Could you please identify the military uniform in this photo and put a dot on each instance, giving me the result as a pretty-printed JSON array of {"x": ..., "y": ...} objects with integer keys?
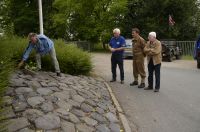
[
  {"x": 138, "y": 59},
  {"x": 154, "y": 58}
]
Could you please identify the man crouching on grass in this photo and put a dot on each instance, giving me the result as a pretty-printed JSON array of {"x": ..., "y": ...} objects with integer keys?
[{"x": 43, "y": 45}]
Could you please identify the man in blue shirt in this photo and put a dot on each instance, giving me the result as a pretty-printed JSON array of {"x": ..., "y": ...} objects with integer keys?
[
  {"x": 116, "y": 46},
  {"x": 43, "y": 45}
]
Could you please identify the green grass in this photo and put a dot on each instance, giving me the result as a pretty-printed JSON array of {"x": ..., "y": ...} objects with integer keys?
[
  {"x": 187, "y": 57},
  {"x": 6, "y": 67}
]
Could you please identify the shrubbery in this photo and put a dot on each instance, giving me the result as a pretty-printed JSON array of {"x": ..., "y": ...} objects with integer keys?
[{"x": 71, "y": 59}]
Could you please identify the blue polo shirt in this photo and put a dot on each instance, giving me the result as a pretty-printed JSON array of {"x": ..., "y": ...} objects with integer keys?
[
  {"x": 43, "y": 46},
  {"x": 117, "y": 43}
]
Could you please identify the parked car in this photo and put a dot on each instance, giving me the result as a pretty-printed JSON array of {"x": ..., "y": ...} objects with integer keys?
[
  {"x": 170, "y": 51},
  {"x": 128, "y": 49},
  {"x": 197, "y": 52}
]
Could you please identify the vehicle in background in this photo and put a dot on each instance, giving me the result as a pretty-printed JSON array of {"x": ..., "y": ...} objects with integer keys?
[
  {"x": 197, "y": 52},
  {"x": 170, "y": 51},
  {"x": 128, "y": 49}
]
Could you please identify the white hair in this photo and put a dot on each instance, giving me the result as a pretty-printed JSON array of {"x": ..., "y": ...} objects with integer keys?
[
  {"x": 116, "y": 30},
  {"x": 153, "y": 34}
]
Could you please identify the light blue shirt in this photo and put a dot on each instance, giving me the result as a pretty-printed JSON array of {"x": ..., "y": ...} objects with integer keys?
[{"x": 43, "y": 46}]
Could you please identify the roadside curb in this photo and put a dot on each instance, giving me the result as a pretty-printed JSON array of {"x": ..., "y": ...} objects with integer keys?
[{"x": 122, "y": 116}]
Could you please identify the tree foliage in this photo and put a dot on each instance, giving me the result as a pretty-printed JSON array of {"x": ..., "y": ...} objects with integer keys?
[
  {"x": 93, "y": 20},
  {"x": 87, "y": 19},
  {"x": 153, "y": 16}
]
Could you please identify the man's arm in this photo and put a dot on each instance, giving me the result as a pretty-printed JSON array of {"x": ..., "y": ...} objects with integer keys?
[
  {"x": 27, "y": 52},
  {"x": 123, "y": 44},
  {"x": 156, "y": 50},
  {"x": 147, "y": 49},
  {"x": 25, "y": 55},
  {"x": 119, "y": 49},
  {"x": 110, "y": 46},
  {"x": 143, "y": 43}
]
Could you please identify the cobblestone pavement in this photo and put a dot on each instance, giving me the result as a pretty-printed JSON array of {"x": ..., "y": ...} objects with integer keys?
[{"x": 45, "y": 102}]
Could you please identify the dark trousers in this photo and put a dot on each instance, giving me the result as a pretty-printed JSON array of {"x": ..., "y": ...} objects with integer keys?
[
  {"x": 117, "y": 59},
  {"x": 151, "y": 69}
]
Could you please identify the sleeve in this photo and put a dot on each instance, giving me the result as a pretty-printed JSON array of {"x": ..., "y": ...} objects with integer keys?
[
  {"x": 123, "y": 43},
  {"x": 110, "y": 43},
  {"x": 157, "y": 49},
  {"x": 27, "y": 52},
  {"x": 143, "y": 43},
  {"x": 146, "y": 49}
]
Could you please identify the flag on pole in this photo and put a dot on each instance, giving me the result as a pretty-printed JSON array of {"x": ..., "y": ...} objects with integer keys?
[{"x": 171, "y": 21}]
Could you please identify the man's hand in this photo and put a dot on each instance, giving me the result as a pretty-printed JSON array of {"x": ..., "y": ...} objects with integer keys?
[
  {"x": 21, "y": 64},
  {"x": 112, "y": 50}
]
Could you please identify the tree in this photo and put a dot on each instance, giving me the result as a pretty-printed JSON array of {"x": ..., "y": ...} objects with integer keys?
[
  {"x": 87, "y": 19},
  {"x": 153, "y": 16},
  {"x": 22, "y": 16}
]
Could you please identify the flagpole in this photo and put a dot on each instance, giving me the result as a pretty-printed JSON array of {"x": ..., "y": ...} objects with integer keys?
[
  {"x": 40, "y": 17},
  {"x": 168, "y": 26}
]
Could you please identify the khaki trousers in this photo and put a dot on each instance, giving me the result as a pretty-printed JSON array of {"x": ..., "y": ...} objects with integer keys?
[
  {"x": 139, "y": 69},
  {"x": 53, "y": 58}
]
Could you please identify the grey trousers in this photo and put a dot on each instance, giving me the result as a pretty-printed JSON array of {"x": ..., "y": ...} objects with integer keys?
[{"x": 52, "y": 53}]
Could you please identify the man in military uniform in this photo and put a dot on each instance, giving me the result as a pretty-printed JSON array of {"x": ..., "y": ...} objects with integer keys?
[
  {"x": 153, "y": 50},
  {"x": 138, "y": 58},
  {"x": 116, "y": 46}
]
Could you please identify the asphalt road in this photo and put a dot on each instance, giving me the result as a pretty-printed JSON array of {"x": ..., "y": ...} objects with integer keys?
[{"x": 176, "y": 108}]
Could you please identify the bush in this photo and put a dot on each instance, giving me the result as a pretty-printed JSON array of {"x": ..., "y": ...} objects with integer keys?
[{"x": 72, "y": 60}]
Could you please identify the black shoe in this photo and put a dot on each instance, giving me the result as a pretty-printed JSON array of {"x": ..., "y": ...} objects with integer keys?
[
  {"x": 142, "y": 85},
  {"x": 134, "y": 83},
  {"x": 156, "y": 90},
  {"x": 122, "y": 82},
  {"x": 58, "y": 74},
  {"x": 148, "y": 88},
  {"x": 113, "y": 80}
]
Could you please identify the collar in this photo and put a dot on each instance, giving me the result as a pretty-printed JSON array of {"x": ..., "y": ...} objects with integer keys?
[
  {"x": 153, "y": 42},
  {"x": 117, "y": 37},
  {"x": 38, "y": 42},
  {"x": 136, "y": 39}
]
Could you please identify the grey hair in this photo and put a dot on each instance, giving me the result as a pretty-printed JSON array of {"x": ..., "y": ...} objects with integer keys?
[
  {"x": 116, "y": 30},
  {"x": 30, "y": 35}
]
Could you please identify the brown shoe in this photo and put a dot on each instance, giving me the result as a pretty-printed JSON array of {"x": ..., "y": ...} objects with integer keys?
[
  {"x": 134, "y": 83},
  {"x": 142, "y": 85}
]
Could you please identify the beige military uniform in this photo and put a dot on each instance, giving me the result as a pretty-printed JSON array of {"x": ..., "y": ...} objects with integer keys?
[{"x": 138, "y": 59}]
